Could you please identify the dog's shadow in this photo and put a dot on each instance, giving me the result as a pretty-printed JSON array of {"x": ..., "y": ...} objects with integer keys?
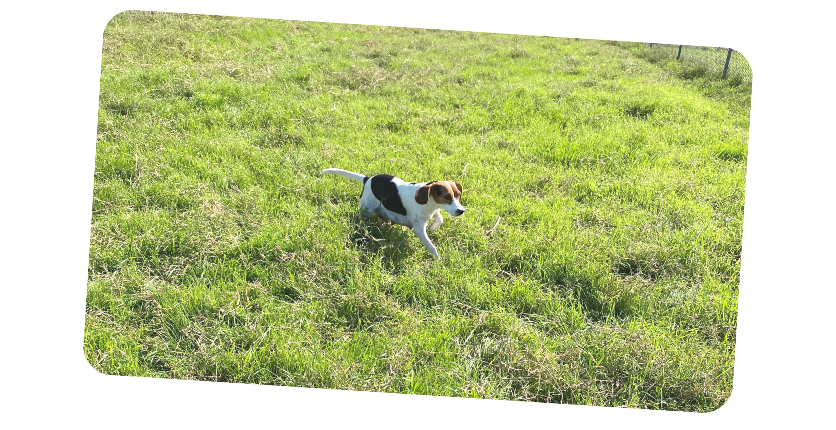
[{"x": 377, "y": 239}]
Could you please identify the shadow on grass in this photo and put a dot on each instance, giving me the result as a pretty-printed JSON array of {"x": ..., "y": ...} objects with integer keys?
[{"x": 376, "y": 239}]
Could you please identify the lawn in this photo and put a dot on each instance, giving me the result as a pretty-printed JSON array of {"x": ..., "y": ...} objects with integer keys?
[{"x": 598, "y": 262}]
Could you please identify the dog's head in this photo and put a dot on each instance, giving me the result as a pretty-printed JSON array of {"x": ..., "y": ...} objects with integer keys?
[{"x": 446, "y": 195}]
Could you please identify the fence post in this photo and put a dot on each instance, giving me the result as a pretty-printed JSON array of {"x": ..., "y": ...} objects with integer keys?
[
  {"x": 679, "y": 53},
  {"x": 726, "y": 69}
]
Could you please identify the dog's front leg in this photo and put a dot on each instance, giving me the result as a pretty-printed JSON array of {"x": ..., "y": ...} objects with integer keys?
[
  {"x": 420, "y": 229},
  {"x": 436, "y": 221}
]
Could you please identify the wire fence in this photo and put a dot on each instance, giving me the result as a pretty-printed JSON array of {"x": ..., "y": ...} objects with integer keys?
[
  {"x": 723, "y": 63},
  {"x": 696, "y": 61}
]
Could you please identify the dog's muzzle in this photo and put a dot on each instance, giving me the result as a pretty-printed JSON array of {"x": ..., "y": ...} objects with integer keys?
[{"x": 459, "y": 212}]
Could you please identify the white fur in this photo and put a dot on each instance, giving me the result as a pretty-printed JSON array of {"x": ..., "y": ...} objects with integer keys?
[{"x": 417, "y": 215}]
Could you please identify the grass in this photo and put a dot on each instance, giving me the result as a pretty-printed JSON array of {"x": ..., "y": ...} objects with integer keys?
[{"x": 219, "y": 253}]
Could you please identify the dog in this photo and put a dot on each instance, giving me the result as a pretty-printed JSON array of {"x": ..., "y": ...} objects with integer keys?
[{"x": 411, "y": 204}]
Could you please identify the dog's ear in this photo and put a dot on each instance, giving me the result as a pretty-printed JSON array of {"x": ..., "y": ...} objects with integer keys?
[
  {"x": 422, "y": 196},
  {"x": 459, "y": 186}
]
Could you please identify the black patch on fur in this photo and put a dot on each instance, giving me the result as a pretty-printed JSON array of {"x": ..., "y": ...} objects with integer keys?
[
  {"x": 365, "y": 178},
  {"x": 387, "y": 192}
]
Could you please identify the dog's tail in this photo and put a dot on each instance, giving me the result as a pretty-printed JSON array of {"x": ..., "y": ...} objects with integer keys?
[{"x": 346, "y": 174}]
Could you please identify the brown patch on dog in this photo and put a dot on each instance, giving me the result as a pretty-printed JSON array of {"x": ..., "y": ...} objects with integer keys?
[
  {"x": 422, "y": 196},
  {"x": 443, "y": 192},
  {"x": 457, "y": 187}
]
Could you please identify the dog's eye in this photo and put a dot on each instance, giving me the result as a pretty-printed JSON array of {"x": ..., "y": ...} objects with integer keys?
[{"x": 448, "y": 197}]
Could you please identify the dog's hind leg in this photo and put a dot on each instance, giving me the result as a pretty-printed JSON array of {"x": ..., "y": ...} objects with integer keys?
[
  {"x": 367, "y": 212},
  {"x": 420, "y": 230},
  {"x": 368, "y": 205}
]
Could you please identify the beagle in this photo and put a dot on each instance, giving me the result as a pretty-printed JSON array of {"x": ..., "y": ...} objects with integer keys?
[{"x": 409, "y": 204}]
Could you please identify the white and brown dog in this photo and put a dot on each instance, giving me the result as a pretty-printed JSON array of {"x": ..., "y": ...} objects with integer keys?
[{"x": 411, "y": 204}]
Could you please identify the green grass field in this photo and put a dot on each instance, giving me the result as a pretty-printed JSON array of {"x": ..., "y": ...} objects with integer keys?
[{"x": 218, "y": 252}]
